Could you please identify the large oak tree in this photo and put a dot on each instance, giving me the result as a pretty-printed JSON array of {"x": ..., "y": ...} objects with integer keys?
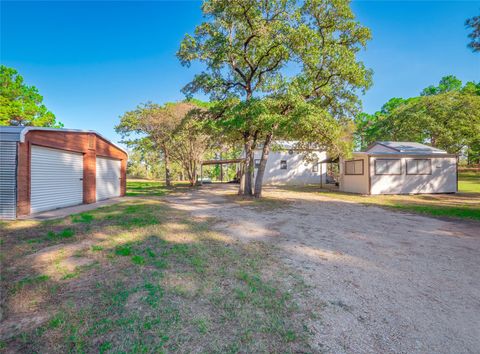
[{"x": 272, "y": 58}]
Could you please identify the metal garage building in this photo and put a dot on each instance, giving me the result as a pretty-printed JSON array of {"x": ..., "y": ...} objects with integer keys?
[{"x": 43, "y": 169}]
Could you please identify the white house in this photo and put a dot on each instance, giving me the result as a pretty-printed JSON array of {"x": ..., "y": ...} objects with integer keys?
[
  {"x": 287, "y": 165},
  {"x": 389, "y": 167}
]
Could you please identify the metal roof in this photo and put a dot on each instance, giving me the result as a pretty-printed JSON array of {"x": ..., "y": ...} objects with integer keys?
[
  {"x": 406, "y": 147},
  {"x": 18, "y": 133}
]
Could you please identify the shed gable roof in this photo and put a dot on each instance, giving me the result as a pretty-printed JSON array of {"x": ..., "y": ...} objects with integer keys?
[
  {"x": 407, "y": 147},
  {"x": 8, "y": 133}
]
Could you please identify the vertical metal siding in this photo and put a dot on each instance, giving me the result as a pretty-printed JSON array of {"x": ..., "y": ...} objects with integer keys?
[
  {"x": 56, "y": 179},
  {"x": 107, "y": 178},
  {"x": 8, "y": 179}
]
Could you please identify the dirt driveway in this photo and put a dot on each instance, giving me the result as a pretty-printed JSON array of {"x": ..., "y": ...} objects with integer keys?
[{"x": 388, "y": 282}]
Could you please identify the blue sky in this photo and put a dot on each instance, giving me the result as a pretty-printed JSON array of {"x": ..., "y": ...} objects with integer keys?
[{"x": 92, "y": 61}]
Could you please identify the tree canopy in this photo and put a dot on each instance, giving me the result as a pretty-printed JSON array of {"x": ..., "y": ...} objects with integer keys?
[
  {"x": 265, "y": 61},
  {"x": 474, "y": 25},
  {"x": 446, "y": 116},
  {"x": 21, "y": 104},
  {"x": 173, "y": 130}
]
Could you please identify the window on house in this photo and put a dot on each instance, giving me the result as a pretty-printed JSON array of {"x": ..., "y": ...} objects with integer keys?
[
  {"x": 315, "y": 167},
  {"x": 283, "y": 164},
  {"x": 354, "y": 167},
  {"x": 257, "y": 163},
  {"x": 388, "y": 167},
  {"x": 419, "y": 167}
]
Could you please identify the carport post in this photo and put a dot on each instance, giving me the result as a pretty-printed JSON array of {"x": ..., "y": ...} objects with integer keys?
[{"x": 201, "y": 174}]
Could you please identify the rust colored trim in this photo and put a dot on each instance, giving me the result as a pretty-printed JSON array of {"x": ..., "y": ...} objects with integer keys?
[{"x": 369, "y": 176}]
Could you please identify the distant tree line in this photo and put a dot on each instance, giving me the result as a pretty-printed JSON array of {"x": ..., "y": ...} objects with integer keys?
[{"x": 446, "y": 116}]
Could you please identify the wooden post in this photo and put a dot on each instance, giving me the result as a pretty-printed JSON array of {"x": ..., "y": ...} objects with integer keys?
[
  {"x": 201, "y": 174},
  {"x": 321, "y": 176}
]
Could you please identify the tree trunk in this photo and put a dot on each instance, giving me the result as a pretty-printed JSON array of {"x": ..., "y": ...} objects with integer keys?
[
  {"x": 262, "y": 166},
  {"x": 168, "y": 177},
  {"x": 249, "y": 156}
]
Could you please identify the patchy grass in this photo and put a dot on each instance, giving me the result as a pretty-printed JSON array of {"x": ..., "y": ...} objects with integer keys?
[
  {"x": 82, "y": 217},
  {"x": 142, "y": 277},
  {"x": 65, "y": 233},
  {"x": 463, "y": 206}
]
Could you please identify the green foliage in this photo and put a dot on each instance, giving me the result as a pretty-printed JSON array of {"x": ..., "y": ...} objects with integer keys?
[
  {"x": 474, "y": 25},
  {"x": 446, "y": 116},
  {"x": 173, "y": 132},
  {"x": 21, "y": 104}
]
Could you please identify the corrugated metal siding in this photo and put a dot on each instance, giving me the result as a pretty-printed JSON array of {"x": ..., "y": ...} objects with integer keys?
[
  {"x": 10, "y": 133},
  {"x": 56, "y": 179},
  {"x": 8, "y": 179},
  {"x": 108, "y": 178}
]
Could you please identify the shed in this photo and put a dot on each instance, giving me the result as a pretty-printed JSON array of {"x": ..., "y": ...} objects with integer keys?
[
  {"x": 44, "y": 168},
  {"x": 286, "y": 165},
  {"x": 390, "y": 167}
]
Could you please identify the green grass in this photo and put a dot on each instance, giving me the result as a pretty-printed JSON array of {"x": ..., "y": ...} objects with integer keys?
[
  {"x": 82, "y": 218},
  {"x": 161, "y": 283},
  {"x": 469, "y": 182},
  {"x": 152, "y": 188},
  {"x": 65, "y": 233}
]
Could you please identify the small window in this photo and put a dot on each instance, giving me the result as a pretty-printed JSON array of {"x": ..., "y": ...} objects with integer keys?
[
  {"x": 283, "y": 164},
  {"x": 419, "y": 167},
  {"x": 257, "y": 163},
  {"x": 354, "y": 167},
  {"x": 388, "y": 167},
  {"x": 315, "y": 167}
]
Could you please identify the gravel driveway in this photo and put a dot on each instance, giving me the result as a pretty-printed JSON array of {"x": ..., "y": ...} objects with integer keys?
[{"x": 387, "y": 281}]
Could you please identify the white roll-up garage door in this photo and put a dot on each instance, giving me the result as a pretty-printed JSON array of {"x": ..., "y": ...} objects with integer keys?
[
  {"x": 108, "y": 178},
  {"x": 56, "y": 179}
]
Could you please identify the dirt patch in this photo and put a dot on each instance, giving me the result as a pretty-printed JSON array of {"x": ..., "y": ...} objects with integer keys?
[{"x": 389, "y": 282}]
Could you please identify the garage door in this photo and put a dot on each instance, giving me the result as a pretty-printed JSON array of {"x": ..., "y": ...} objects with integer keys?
[
  {"x": 56, "y": 179},
  {"x": 108, "y": 178}
]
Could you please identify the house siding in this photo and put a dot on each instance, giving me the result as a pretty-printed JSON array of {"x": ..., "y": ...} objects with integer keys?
[{"x": 298, "y": 172}]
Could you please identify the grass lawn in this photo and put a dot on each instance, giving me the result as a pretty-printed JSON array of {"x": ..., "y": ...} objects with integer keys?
[
  {"x": 142, "y": 277},
  {"x": 151, "y": 188},
  {"x": 465, "y": 204},
  {"x": 469, "y": 182}
]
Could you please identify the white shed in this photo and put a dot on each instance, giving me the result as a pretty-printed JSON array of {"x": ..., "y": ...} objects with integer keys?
[
  {"x": 389, "y": 167},
  {"x": 287, "y": 165}
]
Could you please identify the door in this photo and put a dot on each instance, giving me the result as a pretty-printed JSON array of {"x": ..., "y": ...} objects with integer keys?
[
  {"x": 108, "y": 178},
  {"x": 56, "y": 178}
]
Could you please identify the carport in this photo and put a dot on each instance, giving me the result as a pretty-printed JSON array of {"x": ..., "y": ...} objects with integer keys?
[{"x": 221, "y": 163}]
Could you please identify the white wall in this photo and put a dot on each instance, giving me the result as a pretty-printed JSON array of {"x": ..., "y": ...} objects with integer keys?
[
  {"x": 442, "y": 180},
  {"x": 354, "y": 183},
  {"x": 298, "y": 172}
]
